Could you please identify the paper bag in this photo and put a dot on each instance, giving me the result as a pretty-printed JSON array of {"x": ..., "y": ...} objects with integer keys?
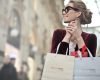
[
  {"x": 58, "y": 67},
  {"x": 87, "y": 68}
]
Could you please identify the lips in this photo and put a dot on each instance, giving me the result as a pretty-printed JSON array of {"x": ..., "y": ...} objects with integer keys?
[{"x": 65, "y": 16}]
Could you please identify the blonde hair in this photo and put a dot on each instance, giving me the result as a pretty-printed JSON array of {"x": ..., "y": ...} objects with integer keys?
[{"x": 86, "y": 15}]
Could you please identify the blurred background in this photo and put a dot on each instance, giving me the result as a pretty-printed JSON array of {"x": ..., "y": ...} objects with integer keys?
[{"x": 26, "y": 28}]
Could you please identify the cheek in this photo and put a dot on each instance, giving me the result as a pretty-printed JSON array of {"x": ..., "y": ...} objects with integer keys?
[
  {"x": 69, "y": 16},
  {"x": 72, "y": 15}
]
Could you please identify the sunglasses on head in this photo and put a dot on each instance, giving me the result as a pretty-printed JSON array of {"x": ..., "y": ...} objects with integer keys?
[{"x": 66, "y": 10}]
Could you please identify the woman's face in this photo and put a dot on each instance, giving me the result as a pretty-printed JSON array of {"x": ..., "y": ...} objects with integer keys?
[{"x": 70, "y": 13}]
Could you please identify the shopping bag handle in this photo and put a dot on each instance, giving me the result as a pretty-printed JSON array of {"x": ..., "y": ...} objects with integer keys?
[
  {"x": 58, "y": 48},
  {"x": 80, "y": 54},
  {"x": 90, "y": 54}
]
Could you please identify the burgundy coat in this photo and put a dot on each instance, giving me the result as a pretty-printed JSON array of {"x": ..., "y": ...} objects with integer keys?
[{"x": 89, "y": 39}]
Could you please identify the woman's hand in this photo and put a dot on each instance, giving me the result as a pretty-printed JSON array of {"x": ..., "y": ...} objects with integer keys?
[
  {"x": 74, "y": 29},
  {"x": 67, "y": 37},
  {"x": 69, "y": 32}
]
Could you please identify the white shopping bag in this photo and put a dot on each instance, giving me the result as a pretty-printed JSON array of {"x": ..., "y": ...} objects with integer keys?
[
  {"x": 58, "y": 67},
  {"x": 87, "y": 68}
]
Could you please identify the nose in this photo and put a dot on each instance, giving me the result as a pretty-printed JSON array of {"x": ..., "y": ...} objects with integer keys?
[{"x": 63, "y": 12}]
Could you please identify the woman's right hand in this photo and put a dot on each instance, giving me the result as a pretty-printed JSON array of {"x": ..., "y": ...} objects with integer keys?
[{"x": 67, "y": 36}]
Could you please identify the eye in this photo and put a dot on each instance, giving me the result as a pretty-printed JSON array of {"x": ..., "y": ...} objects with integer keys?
[{"x": 67, "y": 9}]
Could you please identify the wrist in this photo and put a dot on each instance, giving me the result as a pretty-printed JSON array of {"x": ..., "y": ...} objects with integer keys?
[
  {"x": 80, "y": 42},
  {"x": 66, "y": 38},
  {"x": 79, "y": 38}
]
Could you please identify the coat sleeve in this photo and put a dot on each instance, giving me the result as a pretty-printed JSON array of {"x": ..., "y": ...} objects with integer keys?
[
  {"x": 92, "y": 44},
  {"x": 56, "y": 39}
]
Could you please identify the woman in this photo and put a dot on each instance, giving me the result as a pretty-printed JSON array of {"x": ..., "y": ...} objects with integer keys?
[{"x": 72, "y": 38}]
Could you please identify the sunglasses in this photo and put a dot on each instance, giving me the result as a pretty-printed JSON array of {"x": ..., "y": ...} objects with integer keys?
[{"x": 68, "y": 8}]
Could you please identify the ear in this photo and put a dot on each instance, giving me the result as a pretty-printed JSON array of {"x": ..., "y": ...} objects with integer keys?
[{"x": 78, "y": 14}]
